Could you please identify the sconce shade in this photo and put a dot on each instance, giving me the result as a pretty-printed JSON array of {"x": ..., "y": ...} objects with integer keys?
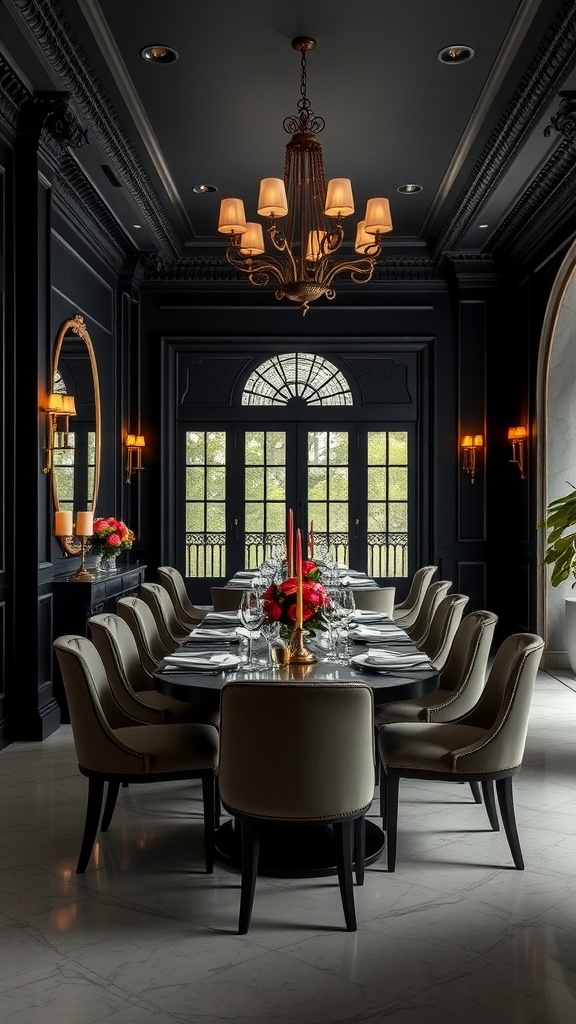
[
  {"x": 517, "y": 433},
  {"x": 134, "y": 445},
  {"x": 139, "y": 442},
  {"x": 339, "y": 199},
  {"x": 469, "y": 443},
  {"x": 63, "y": 524},
  {"x": 68, "y": 405}
]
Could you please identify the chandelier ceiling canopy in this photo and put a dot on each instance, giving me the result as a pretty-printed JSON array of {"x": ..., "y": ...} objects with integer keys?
[{"x": 304, "y": 260}]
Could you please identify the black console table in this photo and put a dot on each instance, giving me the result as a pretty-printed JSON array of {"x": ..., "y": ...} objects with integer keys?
[{"x": 75, "y": 601}]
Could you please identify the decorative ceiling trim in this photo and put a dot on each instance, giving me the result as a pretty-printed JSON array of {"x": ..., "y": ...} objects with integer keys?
[
  {"x": 67, "y": 60},
  {"x": 542, "y": 79}
]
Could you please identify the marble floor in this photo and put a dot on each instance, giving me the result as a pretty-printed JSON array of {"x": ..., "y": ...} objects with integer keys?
[{"x": 455, "y": 935}]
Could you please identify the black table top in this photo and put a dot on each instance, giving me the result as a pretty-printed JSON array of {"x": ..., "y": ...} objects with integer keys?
[{"x": 389, "y": 687}]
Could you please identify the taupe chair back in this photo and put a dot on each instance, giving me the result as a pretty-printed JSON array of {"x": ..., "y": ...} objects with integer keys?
[
  {"x": 188, "y": 614},
  {"x": 461, "y": 680},
  {"x": 486, "y": 745},
  {"x": 226, "y": 599},
  {"x": 132, "y": 687},
  {"x": 434, "y": 594},
  {"x": 114, "y": 748},
  {"x": 381, "y": 600},
  {"x": 138, "y": 615},
  {"x": 447, "y": 617},
  {"x": 158, "y": 600},
  {"x": 406, "y": 611},
  {"x": 301, "y": 754}
]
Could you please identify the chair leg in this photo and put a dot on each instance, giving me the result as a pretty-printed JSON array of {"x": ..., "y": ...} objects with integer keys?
[
  {"x": 382, "y": 785},
  {"x": 506, "y": 804},
  {"x": 218, "y": 804},
  {"x": 344, "y": 841},
  {"x": 489, "y": 801},
  {"x": 111, "y": 797},
  {"x": 209, "y": 804},
  {"x": 250, "y": 830},
  {"x": 476, "y": 792},
  {"x": 391, "y": 784},
  {"x": 359, "y": 848},
  {"x": 93, "y": 808}
]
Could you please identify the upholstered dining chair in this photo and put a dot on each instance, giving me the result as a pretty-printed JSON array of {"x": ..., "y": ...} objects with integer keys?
[
  {"x": 380, "y": 600},
  {"x": 461, "y": 680},
  {"x": 138, "y": 615},
  {"x": 486, "y": 745},
  {"x": 226, "y": 599},
  {"x": 114, "y": 748},
  {"x": 405, "y": 611},
  {"x": 421, "y": 625},
  {"x": 160, "y": 604},
  {"x": 188, "y": 614},
  {"x": 299, "y": 754},
  {"x": 437, "y": 643},
  {"x": 132, "y": 687}
]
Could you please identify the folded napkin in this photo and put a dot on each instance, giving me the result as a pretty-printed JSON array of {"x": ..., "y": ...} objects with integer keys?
[
  {"x": 203, "y": 659},
  {"x": 222, "y": 617},
  {"x": 221, "y": 635},
  {"x": 364, "y": 614},
  {"x": 391, "y": 659},
  {"x": 376, "y": 632}
]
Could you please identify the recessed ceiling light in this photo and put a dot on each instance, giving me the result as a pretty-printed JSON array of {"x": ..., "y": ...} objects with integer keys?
[
  {"x": 204, "y": 189},
  {"x": 483, "y": 225},
  {"x": 159, "y": 54},
  {"x": 455, "y": 54},
  {"x": 137, "y": 226},
  {"x": 409, "y": 190}
]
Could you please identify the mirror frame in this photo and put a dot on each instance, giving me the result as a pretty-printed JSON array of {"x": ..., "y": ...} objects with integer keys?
[{"x": 73, "y": 545}]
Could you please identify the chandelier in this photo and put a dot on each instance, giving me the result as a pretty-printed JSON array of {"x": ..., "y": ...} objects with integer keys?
[{"x": 305, "y": 261}]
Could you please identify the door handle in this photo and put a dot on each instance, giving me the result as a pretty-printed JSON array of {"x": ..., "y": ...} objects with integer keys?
[
  {"x": 234, "y": 528},
  {"x": 356, "y": 524}
]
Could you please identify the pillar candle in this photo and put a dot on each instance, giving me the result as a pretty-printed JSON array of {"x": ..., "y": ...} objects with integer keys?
[
  {"x": 311, "y": 538},
  {"x": 63, "y": 524},
  {"x": 84, "y": 524},
  {"x": 299, "y": 600},
  {"x": 290, "y": 543}
]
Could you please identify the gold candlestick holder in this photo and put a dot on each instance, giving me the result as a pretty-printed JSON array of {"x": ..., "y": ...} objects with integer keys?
[
  {"x": 299, "y": 653},
  {"x": 82, "y": 575}
]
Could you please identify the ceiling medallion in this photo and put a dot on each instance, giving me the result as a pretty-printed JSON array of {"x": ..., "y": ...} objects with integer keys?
[{"x": 304, "y": 263}]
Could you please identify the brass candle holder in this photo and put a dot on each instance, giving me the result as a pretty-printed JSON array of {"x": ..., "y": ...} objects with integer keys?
[
  {"x": 299, "y": 653},
  {"x": 82, "y": 575}
]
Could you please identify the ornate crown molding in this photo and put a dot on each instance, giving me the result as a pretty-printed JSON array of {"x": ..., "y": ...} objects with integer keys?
[
  {"x": 549, "y": 68},
  {"x": 68, "y": 61}
]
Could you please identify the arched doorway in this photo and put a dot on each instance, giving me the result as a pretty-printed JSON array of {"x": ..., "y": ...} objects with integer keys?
[{"x": 556, "y": 419}]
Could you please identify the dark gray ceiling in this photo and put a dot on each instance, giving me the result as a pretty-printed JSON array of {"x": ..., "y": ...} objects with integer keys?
[{"x": 473, "y": 135}]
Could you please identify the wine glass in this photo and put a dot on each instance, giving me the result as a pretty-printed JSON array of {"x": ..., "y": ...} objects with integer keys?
[
  {"x": 331, "y": 614},
  {"x": 345, "y": 613},
  {"x": 251, "y": 616},
  {"x": 271, "y": 630}
]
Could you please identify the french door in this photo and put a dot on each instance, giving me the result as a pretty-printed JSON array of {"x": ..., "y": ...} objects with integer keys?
[{"x": 351, "y": 480}]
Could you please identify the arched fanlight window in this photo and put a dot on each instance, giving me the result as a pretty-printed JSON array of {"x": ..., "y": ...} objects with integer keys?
[{"x": 297, "y": 377}]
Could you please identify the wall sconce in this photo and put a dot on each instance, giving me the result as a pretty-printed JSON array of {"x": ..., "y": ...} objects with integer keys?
[
  {"x": 57, "y": 407},
  {"x": 134, "y": 445},
  {"x": 64, "y": 527},
  {"x": 518, "y": 437},
  {"x": 469, "y": 444}
]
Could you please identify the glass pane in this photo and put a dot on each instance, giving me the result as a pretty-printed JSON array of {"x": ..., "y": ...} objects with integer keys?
[
  {"x": 254, "y": 445},
  {"x": 376, "y": 484},
  {"x": 195, "y": 482}
]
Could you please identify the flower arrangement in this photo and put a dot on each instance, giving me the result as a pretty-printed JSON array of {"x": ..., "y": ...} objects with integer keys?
[
  {"x": 110, "y": 537},
  {"x": 279, "y": 600}
]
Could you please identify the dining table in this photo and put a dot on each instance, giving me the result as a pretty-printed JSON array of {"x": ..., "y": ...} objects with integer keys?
[{"x": 381, "y": 655}]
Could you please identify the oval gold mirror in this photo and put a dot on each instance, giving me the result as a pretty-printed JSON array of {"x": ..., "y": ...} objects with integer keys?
[{"x": 76, "y": 453}]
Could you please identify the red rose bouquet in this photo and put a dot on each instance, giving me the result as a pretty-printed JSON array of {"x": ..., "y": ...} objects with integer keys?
[
  {"x": 110, "y": 537},
  {"x": 279, "y": 600}
]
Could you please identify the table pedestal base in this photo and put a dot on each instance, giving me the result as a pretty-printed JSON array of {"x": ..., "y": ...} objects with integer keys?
[{"x": 293, "y": 851}]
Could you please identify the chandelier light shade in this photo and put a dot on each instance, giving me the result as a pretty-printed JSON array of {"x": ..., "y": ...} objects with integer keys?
[{"x": 304, "y": 257}]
